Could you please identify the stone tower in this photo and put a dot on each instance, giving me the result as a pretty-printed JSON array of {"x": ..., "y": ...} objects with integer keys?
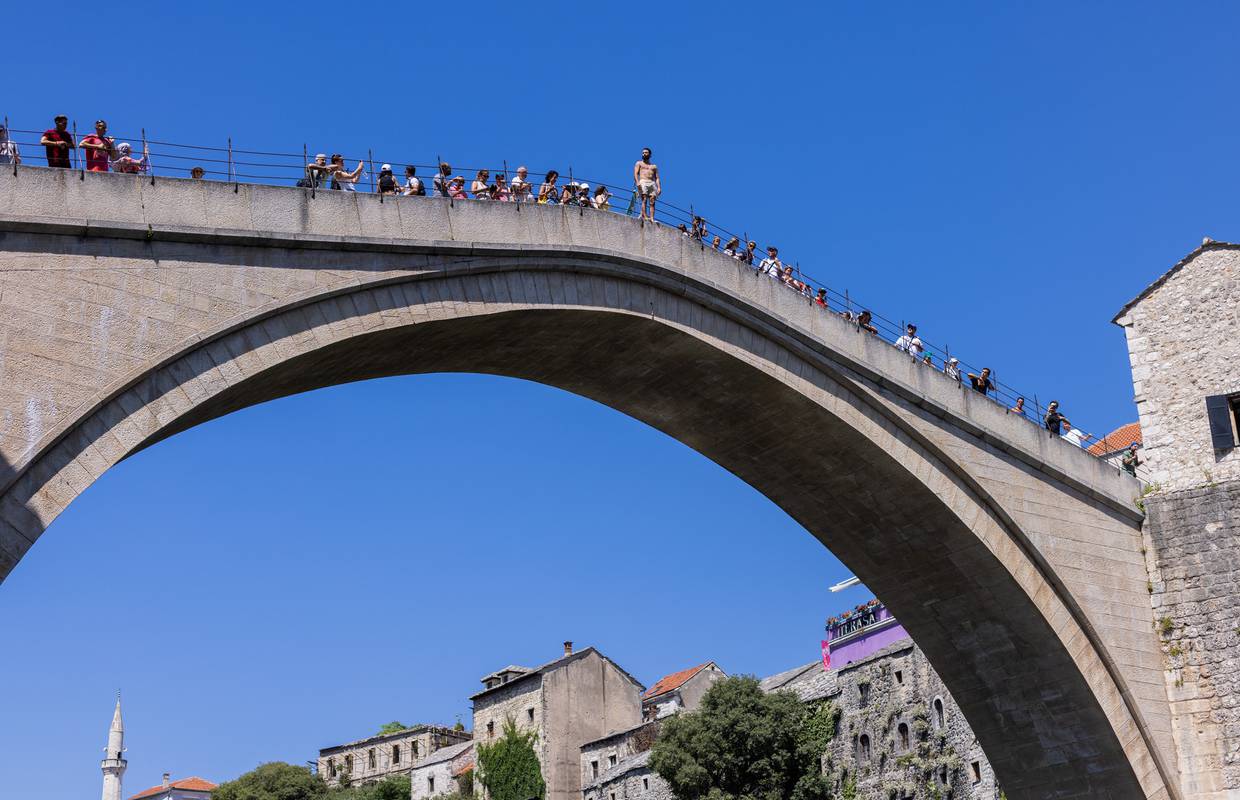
[{"x": 113, "y": 762}]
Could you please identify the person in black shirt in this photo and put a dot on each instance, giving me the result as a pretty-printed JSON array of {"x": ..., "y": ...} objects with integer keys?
[
  {"x": 1130, "y": 460},
  {"x": 982, "y": 383},
  {"x": 1054, "y": 420}
]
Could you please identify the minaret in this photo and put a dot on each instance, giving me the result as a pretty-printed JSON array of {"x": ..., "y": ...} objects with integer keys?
[{"x": 113, "y": 762}]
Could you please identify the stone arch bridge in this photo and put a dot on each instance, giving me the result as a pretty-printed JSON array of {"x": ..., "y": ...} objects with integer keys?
[{"x": 132, "y": 308}]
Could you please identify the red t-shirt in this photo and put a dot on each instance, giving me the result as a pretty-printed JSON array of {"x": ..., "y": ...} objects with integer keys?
[
  {"x": 58, "y": 156},
  {"x": 97, "y": 160}
]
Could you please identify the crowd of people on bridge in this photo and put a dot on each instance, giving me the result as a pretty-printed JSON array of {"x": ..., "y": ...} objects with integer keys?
[{"x": 101, "y": 153}]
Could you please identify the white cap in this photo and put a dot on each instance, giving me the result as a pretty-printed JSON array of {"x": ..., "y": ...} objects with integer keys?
[
  {"x": 386, "y": 168},
  {"x": 955, "y": 360},
  {"x": 584, "y": 185}
]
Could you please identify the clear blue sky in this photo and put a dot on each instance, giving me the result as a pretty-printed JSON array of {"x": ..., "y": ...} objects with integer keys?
[{"x": 291, "y": 576}]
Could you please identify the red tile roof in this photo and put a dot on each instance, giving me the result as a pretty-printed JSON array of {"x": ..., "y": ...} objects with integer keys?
[
  {"x": 1117, "y": 439},
  {"x": 675, "y": 680},
  {"x": 185, "y": 784}
]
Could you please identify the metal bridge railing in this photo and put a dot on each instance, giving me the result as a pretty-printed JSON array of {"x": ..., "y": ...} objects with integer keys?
[{"x": 233, "y": 164}]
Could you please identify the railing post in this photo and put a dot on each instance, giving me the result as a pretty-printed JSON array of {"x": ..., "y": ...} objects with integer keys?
[
  {"x": 150, "y": 165},
  {"x": 75, "y": 151},
  {"x": 231, "y": 172},
  {"x": 9, "y": 133},
  {"x": 312, "y": 179},
  {"x": 370, "y": 156}
]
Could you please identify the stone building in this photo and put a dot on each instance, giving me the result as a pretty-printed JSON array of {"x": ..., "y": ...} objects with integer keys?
[
  {"x": 378, "y": 757},
  {"x": 1185, "y": 356},
  {"x": 193, "y": 788},
  {"x": 680, "y": 691},
  {"x": 1181, "y": 334},
  {"x": 899, "y": 733},
  {"x": 446, "y": 770},
  {"x": 616, "y": 767},
  {"x": 567, "y": 702}
]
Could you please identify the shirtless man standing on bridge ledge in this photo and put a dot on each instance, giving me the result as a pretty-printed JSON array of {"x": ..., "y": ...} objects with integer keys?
[{"x": 646, "y": 178}]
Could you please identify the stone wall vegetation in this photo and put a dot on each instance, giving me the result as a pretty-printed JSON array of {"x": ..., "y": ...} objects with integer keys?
[{"x": 914, "y": 752}]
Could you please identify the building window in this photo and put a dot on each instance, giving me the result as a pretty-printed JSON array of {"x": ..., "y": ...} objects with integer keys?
[
  {"x": 612, "y": 795},
  {"x": 348, "y": 764},
  {"x": 863, "y": 749},
  {"x": 939, "y": 718},
  {"x": 645, "y": 784},
  {"x": 395, "y": 754},
  {"x": 430, "y": 783},
  {"x": 490, "y": 729},
  {"x": 414, "y": 745},
  {"x": 863, "y": 694},
  {"x": 370, "y": 758},
  {"x": 943, "y": 775},
  {"x": 903, "y": 733},
  {"x": 529, "y": 714},
  {"x": 611, "y": 760},
  {"x": 331, "y": 767},
  {"x": 977, "y": 771},
  {"x": 1223, "y": 412},
  {"x": 593, "y": 769},
  {"x": 899, "y": 676}
]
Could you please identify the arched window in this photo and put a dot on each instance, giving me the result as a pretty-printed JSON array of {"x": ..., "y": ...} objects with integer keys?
[
  {"x": 415, "y": 748},
  {"x": 331, "y": 767},
  {"x": 395, "y": 754},
  {"x": 939, "y": 718},
  {"x": 863, "y": 748},
  {"x": 348, "y": 764},
  {"x": 903, "y": 733},
  {"x": 370, "y": 758}
]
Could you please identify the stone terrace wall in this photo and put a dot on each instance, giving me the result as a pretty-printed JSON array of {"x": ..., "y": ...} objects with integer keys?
[{"x": 1196, "y": 594}]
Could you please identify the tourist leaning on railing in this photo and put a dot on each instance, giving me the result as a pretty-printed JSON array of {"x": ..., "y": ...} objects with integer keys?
[
  {"x": 413, "y": 184},
  {"x": 520, "y": 186},
  {"x": 100, "y": 148},
  {"x": 982, "y": 382},
  {"x": 126, "y": 163},
  {"x": 58, "y": 143},
  {"x": 101, "y": 154},
  {"x": 9, "y": 154}
]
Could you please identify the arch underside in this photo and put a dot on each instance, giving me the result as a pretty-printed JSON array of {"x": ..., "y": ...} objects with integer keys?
[{"x": 908, "y": 522}]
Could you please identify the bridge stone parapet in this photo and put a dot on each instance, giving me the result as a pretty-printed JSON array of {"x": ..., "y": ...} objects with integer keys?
[{"x": 133, "y": 308}]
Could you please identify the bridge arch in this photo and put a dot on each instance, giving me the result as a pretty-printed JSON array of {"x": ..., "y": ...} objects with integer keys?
[{"x": 941, "y": 517}]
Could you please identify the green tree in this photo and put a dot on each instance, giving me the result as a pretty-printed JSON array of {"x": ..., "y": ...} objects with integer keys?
[
  {"x": 395, "y": 787},
  {"x": 274, "y": 781},
  {"x": 391, "y": 727},
  {"x": 744, "y": 744},
  {"x": 509, "y": 768}
]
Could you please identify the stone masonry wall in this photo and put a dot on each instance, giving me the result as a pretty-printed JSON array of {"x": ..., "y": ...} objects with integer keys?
[
  {"x": 1195, "y": 588},
  {"x": 896, "y": 686},
  {"x": 421, "y": 741},
  {"x": 1183, "y": 348},
  {"x": 516, "y": 701},
  {"x": 640, "y": 783}
]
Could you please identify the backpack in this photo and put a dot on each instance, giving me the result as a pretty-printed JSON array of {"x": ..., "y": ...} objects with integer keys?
[{"x": 387, "y": 182}]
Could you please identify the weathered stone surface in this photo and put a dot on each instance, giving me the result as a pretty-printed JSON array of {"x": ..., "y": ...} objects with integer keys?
[
  {"x": 1196, "y": 593},
  {"x": 1181, "y": 337},
  {"x": 919, "y": 744},
  {"x": 1006, "y": 552}
]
